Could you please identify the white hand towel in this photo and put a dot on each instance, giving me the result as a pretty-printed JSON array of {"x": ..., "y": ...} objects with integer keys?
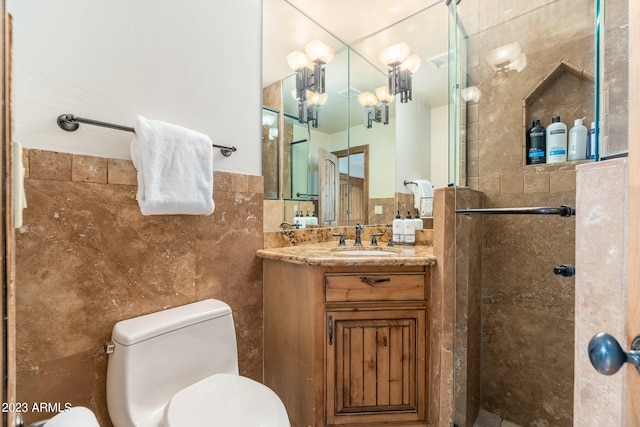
[
  {"x": 19, "y": 195},
  {"x": 175, "y": 169},
  {"x": 423, "y": 197}
]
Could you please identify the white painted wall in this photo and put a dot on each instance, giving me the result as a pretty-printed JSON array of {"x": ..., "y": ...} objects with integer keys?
[
  {"x": 195, "y": 63},
  {"x": 440, "y": 146},
  {"x": 413, "y": 142}
]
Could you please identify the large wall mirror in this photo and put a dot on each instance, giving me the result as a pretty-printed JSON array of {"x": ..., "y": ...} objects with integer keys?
[{"x": 373, "y": 158}]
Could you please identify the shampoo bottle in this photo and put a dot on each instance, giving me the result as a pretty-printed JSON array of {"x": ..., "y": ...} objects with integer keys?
[
  {"x": 398, "y": 230},
  {"x": 536, "y": 144},
  {"x": 577, "y": 141},
  {"x": 409, "y": 230},
  {"x": 557, "y": 141}
]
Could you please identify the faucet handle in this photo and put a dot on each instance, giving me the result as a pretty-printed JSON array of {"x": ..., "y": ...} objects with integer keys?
[
  {"x": 374, "y": 241},
  {"x": 341, "y": 235}
]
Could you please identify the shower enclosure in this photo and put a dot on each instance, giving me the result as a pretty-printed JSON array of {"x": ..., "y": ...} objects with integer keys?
[{"x": 511, "y": 63}]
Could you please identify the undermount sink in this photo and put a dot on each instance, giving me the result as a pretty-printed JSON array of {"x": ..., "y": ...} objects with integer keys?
[{"x": 365, "y": 252}]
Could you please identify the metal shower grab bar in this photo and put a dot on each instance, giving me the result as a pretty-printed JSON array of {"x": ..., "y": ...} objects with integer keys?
[
  {"x": 70, "y": 123},
  {"x": 562, "y": 211}
]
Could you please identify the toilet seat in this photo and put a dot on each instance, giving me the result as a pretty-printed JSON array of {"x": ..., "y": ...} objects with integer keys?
[{"x": 226, "y": 400}]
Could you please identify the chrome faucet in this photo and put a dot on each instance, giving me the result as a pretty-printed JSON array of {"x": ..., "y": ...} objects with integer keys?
[
  {"x": 359, "y": 230},
  {"x": 288, "y": 225}
]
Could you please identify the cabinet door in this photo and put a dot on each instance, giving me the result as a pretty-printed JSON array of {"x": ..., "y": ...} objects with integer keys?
[{"x": 376, "y": 366}]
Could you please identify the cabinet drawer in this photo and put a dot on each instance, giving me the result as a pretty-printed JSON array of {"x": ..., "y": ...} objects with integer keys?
[{"x": 374, "y": 287}]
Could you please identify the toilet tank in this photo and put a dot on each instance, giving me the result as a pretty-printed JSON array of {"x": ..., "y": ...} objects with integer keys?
[{"x": 159, "y": 354}]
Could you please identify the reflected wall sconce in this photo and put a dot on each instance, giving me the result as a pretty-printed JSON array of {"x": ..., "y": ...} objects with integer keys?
[
  {"x": 376, "y": 107},
  {"x": 471, "y": 94},
  {"x": 402, "y": 67},
  {"x": 509, "y": 57},
  {"x": 308, "y": 110},
  {"x": 268, "y": 120},
  {"x": 310, "y": 73}
]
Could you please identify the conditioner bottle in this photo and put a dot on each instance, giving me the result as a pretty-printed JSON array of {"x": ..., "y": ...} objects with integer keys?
[
  {"x": 556, "y": 141},
  {"x": 577, "y": 141}
]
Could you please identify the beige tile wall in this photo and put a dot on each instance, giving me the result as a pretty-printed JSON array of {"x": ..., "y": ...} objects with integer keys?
[
  {"x": 527, "y": 312},
  {"x": 601, "y": 240},
  {"x": 87, "y": 258}
]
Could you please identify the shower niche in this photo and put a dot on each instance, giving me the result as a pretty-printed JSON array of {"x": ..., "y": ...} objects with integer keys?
[{"x": 566, "y": 91}]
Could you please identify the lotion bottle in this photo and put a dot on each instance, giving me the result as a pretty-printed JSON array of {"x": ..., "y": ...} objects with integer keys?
[
  {"x": 556, "y": 141},
  {"x": 577, "y": 141},
  {"x": 398, "y": 230},
  {"x": 409, "y": 230}
]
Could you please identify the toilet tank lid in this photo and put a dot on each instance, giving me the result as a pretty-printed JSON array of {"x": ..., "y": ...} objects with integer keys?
[{"x": 132, "y": 331}]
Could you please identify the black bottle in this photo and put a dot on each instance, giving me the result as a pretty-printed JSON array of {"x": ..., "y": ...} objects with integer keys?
[{"x": 536, "y": 144}]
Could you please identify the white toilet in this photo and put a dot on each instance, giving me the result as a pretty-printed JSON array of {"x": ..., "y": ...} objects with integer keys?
[{"x": 179, "y": 368}]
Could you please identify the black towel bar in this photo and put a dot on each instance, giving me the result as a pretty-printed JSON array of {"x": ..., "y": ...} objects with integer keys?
[
  {"x": 70, "y": 123},
  {"x": 562, "y": 211}
]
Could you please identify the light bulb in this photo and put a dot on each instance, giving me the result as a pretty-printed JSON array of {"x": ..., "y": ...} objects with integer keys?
[
  {"x": 394, "y": 55},
  {"x": 412, "y": 63},
  {"x": 319, "y": 52},
  {"x": 297, "y": 60},
  {"x": 315, "y": 98},
  {"x": 367, "y": 99},
  {"x": 383, "y": 94}
]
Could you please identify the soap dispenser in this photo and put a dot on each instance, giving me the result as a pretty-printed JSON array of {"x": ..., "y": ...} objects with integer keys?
[
  {"x": 398, "y": 229},
  {"x": 418, "y": 220},
  {"x": 409, "y": 230}
]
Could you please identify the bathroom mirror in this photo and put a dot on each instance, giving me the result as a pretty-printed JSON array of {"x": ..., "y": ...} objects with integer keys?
[
  {"x": 413, "y": 142},
  {"x": 270, "y": 152}
]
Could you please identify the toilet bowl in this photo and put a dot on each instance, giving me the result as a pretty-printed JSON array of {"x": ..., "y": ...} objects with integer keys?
[
  {"x": 77, "y": 416},
  {"x": 229, "y": 400},
  {"x": 179, "y": 368}
]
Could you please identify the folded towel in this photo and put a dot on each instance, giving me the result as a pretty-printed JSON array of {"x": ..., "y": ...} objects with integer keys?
[
  {"x": 423, "y": 197},
  {"x": 175, "y": 169},
  {"x": 19, "y": 195}
]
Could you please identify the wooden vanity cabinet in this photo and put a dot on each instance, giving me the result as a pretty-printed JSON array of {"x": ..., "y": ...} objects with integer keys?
[{"x": 347, "y": 345}]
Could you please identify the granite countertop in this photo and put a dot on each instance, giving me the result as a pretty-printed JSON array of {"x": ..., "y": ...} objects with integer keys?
[{"x": 328, "y": 254}]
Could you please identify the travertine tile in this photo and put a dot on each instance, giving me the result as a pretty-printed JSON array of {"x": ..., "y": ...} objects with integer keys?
[
  {"x": 512, "y": 183},
  {"x": 239, "y": 183},
  {"x": 489, "y": 184},
  {"x": 473, "y": 167},
  {"x": 601, "y": 230},
  {"x": 89, "y": 169},
  {"x": 221, "y": 181},
  {"x": 255, "y": 184},
  {"x": 73, "y": 380},
  {"x": 86, "y": 258},
  {"x": 536, "y": 182},
  {"x": 561, "y": 181},
  {"x": 49, "y": 165},
  {"x": 121, "y": 172}
]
